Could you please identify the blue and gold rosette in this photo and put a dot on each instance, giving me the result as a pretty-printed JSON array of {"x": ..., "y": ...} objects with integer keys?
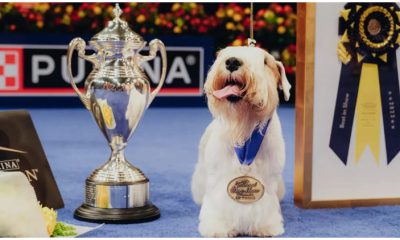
[{"x": 368, "y": 91}]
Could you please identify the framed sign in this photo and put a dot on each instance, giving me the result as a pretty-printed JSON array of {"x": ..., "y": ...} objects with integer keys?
[{"x": 347, "y": 105}]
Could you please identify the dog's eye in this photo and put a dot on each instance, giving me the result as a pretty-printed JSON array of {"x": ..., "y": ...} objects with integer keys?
[{"x": 265, "y": 61}]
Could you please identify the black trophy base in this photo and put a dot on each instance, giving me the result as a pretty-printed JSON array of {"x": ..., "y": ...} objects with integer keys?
[{"x": 117, "y": 215}]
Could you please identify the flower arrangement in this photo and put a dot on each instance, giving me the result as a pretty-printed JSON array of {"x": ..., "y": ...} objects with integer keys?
[
  {"x": 274, "y": 29},
  {"x": 229, "y": 23},
  {"x": 188, "y": 18},
  {"x": 143, "y": 17}
]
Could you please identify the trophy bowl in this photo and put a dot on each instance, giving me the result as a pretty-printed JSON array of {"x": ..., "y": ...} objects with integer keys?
[{"x": 117, "y": 93}]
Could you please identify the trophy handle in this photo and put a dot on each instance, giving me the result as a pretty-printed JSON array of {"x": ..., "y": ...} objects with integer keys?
[
  {"x": 155, "y": 45},
  {"x": 80, "y": 45}
]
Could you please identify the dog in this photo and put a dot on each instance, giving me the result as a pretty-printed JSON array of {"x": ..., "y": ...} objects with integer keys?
[{"x": 242, "y": 94}]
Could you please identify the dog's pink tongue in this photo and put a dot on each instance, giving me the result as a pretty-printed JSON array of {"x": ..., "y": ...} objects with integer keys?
[{"x": 227, "y": 91}]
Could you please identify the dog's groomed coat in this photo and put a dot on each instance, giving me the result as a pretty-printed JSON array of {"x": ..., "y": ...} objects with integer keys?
[{"x": 242, "y": 95}]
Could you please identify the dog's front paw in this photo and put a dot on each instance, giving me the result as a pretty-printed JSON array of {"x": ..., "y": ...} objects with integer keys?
[
  {"x": 269, "y": 231},
  {"x": 214, "y": 228}
]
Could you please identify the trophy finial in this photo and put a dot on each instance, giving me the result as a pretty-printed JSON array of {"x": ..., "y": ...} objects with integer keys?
[{"x": 117, "y": 11}]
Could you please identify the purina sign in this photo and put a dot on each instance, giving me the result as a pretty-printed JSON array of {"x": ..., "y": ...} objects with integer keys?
[{"x": 41, "y": 70}]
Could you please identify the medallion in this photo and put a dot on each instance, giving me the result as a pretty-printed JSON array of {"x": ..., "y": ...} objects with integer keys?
[{"x": 245, "y": 189}]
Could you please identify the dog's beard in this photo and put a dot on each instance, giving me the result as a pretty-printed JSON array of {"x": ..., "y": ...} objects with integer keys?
[
  {"x": 240, "y": 122},
  {"x": 249, "y": 107}
]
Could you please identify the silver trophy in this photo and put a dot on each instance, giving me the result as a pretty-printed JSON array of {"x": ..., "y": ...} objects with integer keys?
[{"x": 117, "y": 92}]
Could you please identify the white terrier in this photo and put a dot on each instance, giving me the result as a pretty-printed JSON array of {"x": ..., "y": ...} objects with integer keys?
[{"x": 241, "y": 88}]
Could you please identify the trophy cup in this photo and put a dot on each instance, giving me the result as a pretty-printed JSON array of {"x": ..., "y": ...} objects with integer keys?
[{"x": 117, "y": 92}]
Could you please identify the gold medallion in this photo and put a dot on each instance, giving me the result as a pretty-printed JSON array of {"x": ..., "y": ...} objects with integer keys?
[{"x": 245, "y": 189}]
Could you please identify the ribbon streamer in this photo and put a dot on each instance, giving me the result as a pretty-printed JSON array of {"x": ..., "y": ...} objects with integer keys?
[{"x": 368, "y": 112}]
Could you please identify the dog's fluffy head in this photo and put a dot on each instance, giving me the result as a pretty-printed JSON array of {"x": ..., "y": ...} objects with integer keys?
[{"x": 241, "y": 88}]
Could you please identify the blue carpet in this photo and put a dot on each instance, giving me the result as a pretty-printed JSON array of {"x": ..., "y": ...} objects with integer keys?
[{"x": 165, "y": 148}]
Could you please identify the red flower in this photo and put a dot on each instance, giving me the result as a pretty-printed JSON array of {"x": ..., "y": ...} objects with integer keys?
[
  {"x": 289, "y": 70},
  {"x": 260, "y": 24},
  {"x": 292, "y": 48},
  {"x": 287, "y": 9},
  {"x": 31, "y": 16},
  {"x": 278, "y": 9},
  {"x": 237, "y": 8},
  {"x": 75, "y": 17},
  {"x": 127, "y": 10},
  {"x": 180, "y": 12},
  {"x": 195, "y": 21},
  {"x": 260, "y": 13},
  {"x": 202, "y": 29},
  {"x": 246, "y": 22}
]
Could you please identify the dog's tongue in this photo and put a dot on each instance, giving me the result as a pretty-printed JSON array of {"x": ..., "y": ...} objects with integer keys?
[{"x": 227, "y": 91}]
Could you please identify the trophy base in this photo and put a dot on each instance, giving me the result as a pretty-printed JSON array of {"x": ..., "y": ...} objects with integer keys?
[{"x": 117, "y": 215}]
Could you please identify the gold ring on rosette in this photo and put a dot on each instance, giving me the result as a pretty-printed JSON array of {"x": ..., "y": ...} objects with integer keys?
[{"x": 374, "y": 27}]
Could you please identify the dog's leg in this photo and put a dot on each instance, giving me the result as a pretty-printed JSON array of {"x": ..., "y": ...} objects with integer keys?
[
  {"x": 199, "y": 175},
  {"x": 213, "y": 223},
  {"x": 270, "y": 222},
  {"x": 198, "y": 183},
  {"x": 281, "y": 189}
]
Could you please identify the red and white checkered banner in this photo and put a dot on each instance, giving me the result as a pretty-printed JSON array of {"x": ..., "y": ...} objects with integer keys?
[{"x": 11, "y": 65}]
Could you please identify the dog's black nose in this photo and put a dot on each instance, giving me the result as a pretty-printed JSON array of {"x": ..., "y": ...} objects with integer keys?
[{"x": 233, "y": 64}]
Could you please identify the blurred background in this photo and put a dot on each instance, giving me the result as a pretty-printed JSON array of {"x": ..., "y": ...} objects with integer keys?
[{"x": 34, "y": 38}]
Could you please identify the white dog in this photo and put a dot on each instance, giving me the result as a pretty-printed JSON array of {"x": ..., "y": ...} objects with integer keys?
[{"x": 242, "y": 94}]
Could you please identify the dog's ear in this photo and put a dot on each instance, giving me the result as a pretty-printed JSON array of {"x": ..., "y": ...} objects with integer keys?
[
  {"x": 278, "y": 70},
  {"x": 271, "y": 63},
  {"x": 284, "y": 84},
  {"x": 217, "y": 53}
]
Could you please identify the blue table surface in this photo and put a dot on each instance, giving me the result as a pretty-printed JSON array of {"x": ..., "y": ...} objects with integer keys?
[{"x": 164, "y": 146}]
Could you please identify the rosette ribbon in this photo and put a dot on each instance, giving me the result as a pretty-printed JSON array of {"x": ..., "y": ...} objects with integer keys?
[{"x": 368, "y": 91}]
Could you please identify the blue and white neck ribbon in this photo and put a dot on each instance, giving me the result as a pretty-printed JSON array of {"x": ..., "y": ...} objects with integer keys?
[{"x": 247, "y": 153}]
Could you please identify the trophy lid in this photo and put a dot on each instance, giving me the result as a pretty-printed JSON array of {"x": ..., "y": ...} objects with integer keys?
[{"x": 118, "y": 32}]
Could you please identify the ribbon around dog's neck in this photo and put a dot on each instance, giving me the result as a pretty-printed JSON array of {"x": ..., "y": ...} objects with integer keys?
[{"x": 247, "y": 153}]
